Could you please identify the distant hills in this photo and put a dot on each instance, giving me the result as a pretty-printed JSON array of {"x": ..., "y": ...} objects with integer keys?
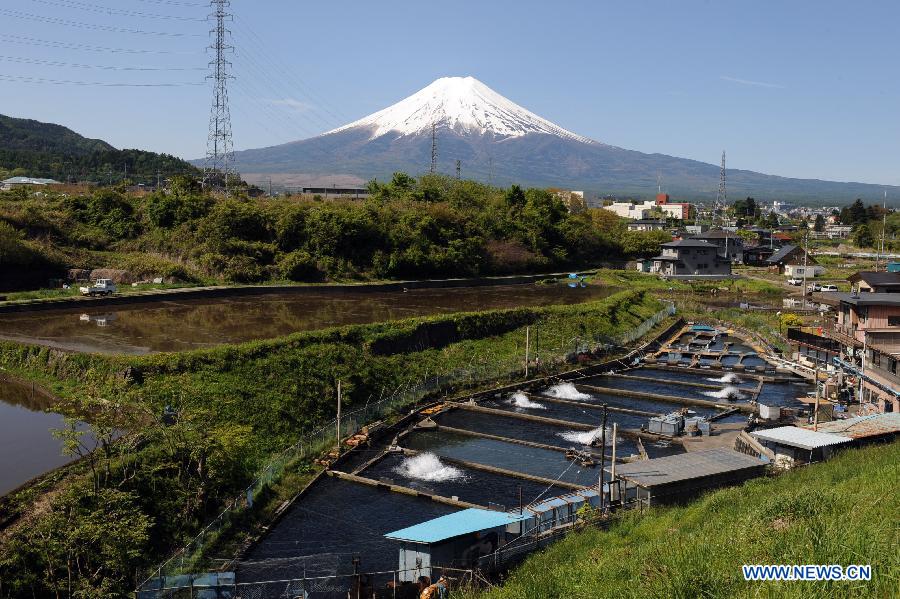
[
  {"x": 497, "y": 140},
  {"x": 38, "y": 149}
]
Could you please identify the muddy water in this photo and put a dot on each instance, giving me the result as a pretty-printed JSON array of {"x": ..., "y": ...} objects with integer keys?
[
  {"x": 27, "y": 447},
  {"x": 191, "y": 324}
]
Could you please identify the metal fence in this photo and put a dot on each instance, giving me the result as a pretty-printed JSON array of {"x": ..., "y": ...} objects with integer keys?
[{"x": 194, "y": 556}]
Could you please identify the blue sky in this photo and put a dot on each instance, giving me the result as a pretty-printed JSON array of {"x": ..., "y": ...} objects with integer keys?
[{"x": 803, "y": 89}]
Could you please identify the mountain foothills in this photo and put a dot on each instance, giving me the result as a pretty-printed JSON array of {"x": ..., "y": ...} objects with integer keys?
[
  {"x": 497, "y": 140},
  {"x": 433, "y": 226},
  {"x": 35, "y": 149}
]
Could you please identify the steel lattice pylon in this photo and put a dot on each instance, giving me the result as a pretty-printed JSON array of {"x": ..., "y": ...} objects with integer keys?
[
  {"x": 219, "y": 145},
  {"x": 721, "y": 197}
]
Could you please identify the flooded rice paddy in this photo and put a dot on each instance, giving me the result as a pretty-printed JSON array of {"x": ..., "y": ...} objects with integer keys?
[{"x": 185, "y": 324}]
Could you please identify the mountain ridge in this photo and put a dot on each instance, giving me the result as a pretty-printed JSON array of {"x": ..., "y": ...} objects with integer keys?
[
  {"x": 39, "y": 149},
  {"x": 499, "y": 141}
]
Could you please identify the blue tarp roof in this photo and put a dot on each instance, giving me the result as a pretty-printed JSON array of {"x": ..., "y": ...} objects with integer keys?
[
  {"x": 703, "y": 327},
  {"x": 454, "y": 525}
]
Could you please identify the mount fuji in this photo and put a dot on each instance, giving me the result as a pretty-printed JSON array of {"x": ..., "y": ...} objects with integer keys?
[{"x": 497, "y": 140}]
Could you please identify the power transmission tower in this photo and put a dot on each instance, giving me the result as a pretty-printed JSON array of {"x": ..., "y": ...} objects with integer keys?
[
  {"x": 433, "y": 147},
  {"x": 219, "y": 145},
  {"x": 721, "y": 196},
  {"x": 458, "y": 168}
]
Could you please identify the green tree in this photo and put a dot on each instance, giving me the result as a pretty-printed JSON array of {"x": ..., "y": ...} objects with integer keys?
[
  {"x": 819, "y": 225},
  {"x": 862, "y": 236}
]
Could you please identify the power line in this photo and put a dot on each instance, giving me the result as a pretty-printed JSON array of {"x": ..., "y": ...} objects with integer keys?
[
  {"x": 26, "y": 79},
  {"x": 32, "y": 41},
  {"x": 174, "y": 2},
  {"x": 75, "y": 65},
  {"x": 92, "y": 26},
  {"x": 97, "y": 8}
]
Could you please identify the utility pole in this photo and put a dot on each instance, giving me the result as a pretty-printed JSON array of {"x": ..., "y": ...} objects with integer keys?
[
  {"x": 458, "y": 168},
  {"x": 219, "y": 145},
  {"x": 612, "y": 474},
  {"x": 270, "y": 187},
  {"x": 883, "y": 231},
  {"x": 602, "y": 456},
  {"x": 433, "y": 147},
  {"x": 805, "y": 254},
  {"x": 338, "y": 427},
  {"x": 158, "y": 179},
  {"x": 816, "y": 410},
  {"x": 527, "y": 349}
]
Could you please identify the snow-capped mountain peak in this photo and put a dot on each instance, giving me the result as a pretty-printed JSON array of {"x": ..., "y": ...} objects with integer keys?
[{"x": 463, "y": 104}]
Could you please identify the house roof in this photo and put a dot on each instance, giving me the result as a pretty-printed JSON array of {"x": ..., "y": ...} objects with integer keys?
[
  {"x": 877, "y": 279},
  {"x": 717, "y": 234},
  {"x": 800, "y": 437},
  {"x": 454, "y": 525},
  {"x": 690, "y": 243},
  {"x": 647, "y": 221},
  {"x": 29, "y": 181},
  {"x": 784, "y": 252},
  {"x": 685, "y": 466},
  {"x": 862, "y": 427},
  {"x": 868, "y": 299}
]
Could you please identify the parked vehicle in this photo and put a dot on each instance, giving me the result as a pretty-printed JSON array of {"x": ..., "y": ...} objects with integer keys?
[
  {"x": 813, "y": 287},
  {"x": 100, "y": 287},
  {"x": 829, "y": 288},
  {"x": 795, "y": 282}
]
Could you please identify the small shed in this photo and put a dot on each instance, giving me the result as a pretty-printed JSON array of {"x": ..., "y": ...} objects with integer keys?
[
  {"x": 794, "y": 445},
  {"x": 676, "y": 478},
  {"x": 454, "y": 540}
]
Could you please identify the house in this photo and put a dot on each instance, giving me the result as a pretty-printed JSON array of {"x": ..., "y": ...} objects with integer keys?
[
  {"x": 792, "y": 261},
  {"x": 794, "y": 446},
  {"x": 864, "y": 342},
  {"x": 647, "y": 224},
  {"x": 873, "y": 428},
  {"x": 875, "y": 282},
  {"x": 691, "y": 258},
  {"x": 730, "y": 245},
  {"x": 757, "y": 255},
  {"x": 14, "y": 182}
]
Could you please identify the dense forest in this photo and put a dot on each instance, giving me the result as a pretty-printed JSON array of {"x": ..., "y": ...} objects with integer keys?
[{"x": 433, "y": 226}]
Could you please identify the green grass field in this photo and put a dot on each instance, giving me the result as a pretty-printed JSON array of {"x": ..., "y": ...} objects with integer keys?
[{"x": 845, "y": 511}]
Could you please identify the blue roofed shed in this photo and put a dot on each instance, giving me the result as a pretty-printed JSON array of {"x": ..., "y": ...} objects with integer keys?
[{"x": 453, "y": 541}]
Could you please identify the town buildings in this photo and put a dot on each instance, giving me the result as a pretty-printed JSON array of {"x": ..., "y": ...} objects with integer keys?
[{"x": 647, "y": 224}]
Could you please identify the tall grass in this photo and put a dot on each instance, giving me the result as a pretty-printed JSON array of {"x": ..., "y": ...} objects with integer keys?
[{"x": 842, "y": 512}]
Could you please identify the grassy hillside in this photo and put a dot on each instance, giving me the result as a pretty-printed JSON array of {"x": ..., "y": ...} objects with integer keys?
[
  {"x": 842, "y": 512},
  {"x": 35, "y": 149}
]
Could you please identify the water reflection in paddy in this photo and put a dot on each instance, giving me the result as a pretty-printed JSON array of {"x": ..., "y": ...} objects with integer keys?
[
  {"x": 27, "y": 447},
  {"x": 184, "y": 324}
]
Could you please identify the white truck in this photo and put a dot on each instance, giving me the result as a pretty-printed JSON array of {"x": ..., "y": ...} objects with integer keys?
[{"x": 99, "y": 287}]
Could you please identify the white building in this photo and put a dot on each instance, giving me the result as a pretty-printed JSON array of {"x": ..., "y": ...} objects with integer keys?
[
  {"x": 632, "y": 211},
  {"x": 25, "y": 181}
]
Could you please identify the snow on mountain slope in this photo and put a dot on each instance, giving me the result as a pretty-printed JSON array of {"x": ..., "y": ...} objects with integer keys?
[{"x": 463, "y": 104}]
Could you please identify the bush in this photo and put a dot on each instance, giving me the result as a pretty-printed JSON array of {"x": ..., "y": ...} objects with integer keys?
[{"x": 298, "y": 266}]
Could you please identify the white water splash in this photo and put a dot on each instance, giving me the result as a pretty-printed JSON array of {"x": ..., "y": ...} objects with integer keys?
[
  {"x": 427, "y": 467},
  {"x": 520, "y": 400},
  {"x": 587, "y": 437},
  {"x": 729, "y": 377},
  {"x": 566, "y": 391},
  {"x": 728, "y": 392}
]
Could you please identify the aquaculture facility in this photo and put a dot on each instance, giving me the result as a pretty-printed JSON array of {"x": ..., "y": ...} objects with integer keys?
[{"x": 465, "y": 487}]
